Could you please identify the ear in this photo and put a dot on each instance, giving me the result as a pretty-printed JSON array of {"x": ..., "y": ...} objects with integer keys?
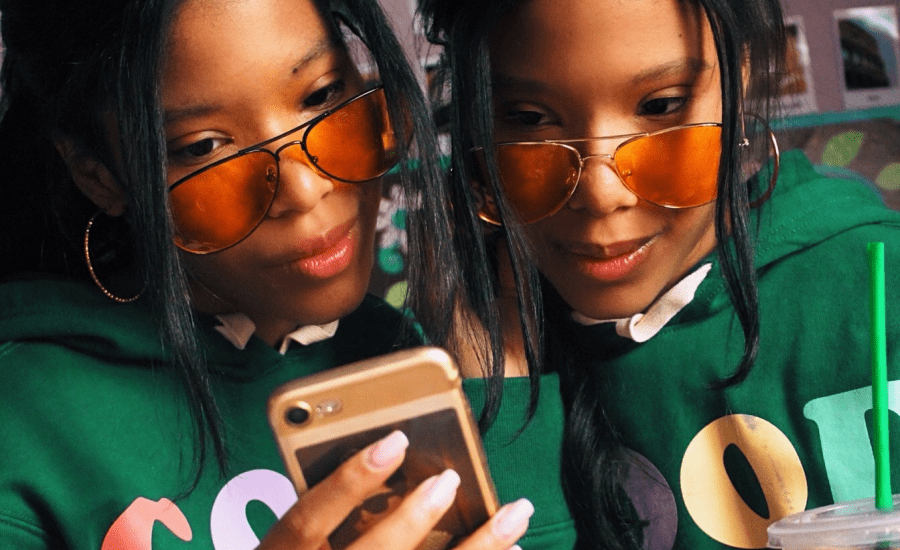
[{"x": 92, "y": 177}]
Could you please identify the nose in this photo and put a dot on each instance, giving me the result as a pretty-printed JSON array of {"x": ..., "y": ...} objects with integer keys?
[
  {"x": 600, "y": 190},
  {"x": 301, "y": 185}
]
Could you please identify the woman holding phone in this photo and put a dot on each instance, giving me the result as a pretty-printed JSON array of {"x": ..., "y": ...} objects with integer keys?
[
  {"x": 632, "y": 233},
  {"x": 189, "y": 196}
]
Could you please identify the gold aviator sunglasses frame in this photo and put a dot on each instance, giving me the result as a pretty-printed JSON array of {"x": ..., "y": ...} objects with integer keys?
[{"x": 627, "y": 140}]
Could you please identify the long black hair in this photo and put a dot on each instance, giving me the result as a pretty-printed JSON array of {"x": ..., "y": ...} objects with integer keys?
[
  {"x": 71, "y": 67},
  {"x": 749, "y": 40}
]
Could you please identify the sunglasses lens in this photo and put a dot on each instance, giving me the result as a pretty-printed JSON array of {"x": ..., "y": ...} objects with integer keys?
[
  {"x": 356, "y": 142},
  {"x": 537, "y": 178},
  {"x": 216, "y": 208},
  {"x": 677, "y": 169}
]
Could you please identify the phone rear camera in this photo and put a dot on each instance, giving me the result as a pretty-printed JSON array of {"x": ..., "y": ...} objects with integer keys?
[{"x": 297, "y": 415}]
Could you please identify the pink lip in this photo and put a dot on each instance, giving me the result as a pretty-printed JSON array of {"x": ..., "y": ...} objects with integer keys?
[
  {"x": 327, "y": 255},
  {"x": 610, "y": 262}
]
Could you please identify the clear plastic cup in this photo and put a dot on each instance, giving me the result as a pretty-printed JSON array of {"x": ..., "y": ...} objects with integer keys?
[{"x": 847, "y": 525}]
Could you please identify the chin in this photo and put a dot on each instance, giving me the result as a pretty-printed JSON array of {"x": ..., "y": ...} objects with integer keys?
[
  {"x": 333, "y": 301},
  {"x": 601, "y": 309}
]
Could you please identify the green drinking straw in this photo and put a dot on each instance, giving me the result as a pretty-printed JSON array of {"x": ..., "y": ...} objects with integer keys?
[{"x": 883, "y": 497}]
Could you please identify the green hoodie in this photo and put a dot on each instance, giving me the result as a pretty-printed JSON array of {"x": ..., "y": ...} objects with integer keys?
[
  {"x": 97, "y": 448},
  {"x": 726, "y": 464},
  {"x": 96, "y": 437}
]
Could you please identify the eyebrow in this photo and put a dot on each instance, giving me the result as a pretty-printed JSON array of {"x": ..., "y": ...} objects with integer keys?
[
  {"x": 691, "y": 66},
  {"x": 318, "y": 50},
  {"x": 194, "y": 111},
  {"x": 500, "y": 81}
]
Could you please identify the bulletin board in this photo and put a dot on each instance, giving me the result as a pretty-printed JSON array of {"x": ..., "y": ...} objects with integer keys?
[{"x": 848, "y": 52}]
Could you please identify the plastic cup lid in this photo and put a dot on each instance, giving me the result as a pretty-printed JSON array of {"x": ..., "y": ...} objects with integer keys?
[{"x": 852, "y": 524}]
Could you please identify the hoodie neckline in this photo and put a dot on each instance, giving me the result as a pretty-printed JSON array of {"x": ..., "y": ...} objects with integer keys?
[{"x": 75, "y": 314}]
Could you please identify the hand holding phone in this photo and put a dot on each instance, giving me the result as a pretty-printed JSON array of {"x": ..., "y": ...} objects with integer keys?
[
  {"x": 322, "y": 420},
  {"x": 318, "y": 511}
]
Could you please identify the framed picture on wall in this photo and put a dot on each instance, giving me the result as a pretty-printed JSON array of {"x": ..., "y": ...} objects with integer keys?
[
  {"x": 869, "y": 52},
  {"x": 796, "y": 86}
]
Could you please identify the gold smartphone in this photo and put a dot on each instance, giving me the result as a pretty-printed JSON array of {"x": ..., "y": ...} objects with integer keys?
[{"x": 321, "y": 420}]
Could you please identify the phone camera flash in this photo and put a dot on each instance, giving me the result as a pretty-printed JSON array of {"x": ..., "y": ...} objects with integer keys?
[{"x": 328, "y": 407}]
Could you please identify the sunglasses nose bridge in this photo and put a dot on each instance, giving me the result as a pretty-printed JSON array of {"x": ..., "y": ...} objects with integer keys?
[
  {"x": 297, "y": 152},
  {"x": 609, "y": 160},
  {"x": 278, "y": 144},
  {"x": 593, "y": 148},
  {"x": 584, "y": 158},
  {"x": 603, "y": 188},
  {"x": 283, "y": 146}
]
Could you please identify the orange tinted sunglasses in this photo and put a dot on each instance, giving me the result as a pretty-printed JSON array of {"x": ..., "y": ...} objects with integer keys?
[
  {"x": 676, "y": 168},
  {"x": 219, "y": 205}
]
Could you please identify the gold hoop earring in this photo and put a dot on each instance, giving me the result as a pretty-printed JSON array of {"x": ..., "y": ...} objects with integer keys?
[
  {"x": 87, "y": 257},
  {"x": 776, "y": 158}
]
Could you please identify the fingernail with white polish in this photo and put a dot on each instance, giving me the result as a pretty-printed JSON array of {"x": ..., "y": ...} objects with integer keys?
[
  {"x": 386, "y": 451},
  {"x": 512, "y": 519},
  {"x": 442, "y": 490}
]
